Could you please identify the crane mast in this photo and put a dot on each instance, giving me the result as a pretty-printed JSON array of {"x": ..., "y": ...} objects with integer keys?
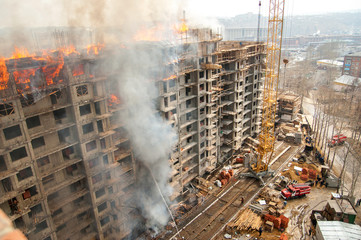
[{"x": 273, "y": 58}]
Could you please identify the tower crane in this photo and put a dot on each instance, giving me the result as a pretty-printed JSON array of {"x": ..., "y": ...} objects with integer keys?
[{"x": 258, "y": 164}]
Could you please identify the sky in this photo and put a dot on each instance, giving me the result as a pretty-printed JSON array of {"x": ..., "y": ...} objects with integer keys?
[
  {"x": 230, "y": 8},
  {"x": 34, "y": 13}
]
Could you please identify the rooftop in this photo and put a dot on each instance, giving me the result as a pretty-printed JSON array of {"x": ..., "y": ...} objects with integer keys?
[
  {"x": 348, "y": 80},
  {"x": 357, "y": 54},
  {"x": 339, "y": 230}
]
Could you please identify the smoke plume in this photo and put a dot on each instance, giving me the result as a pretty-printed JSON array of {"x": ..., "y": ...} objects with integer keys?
[{"x": 152, "y": 138}]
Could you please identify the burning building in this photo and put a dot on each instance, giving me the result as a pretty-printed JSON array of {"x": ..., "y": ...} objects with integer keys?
[{"x": 96, "y": 142}]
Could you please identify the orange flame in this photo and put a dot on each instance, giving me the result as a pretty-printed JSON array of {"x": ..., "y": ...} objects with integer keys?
[
  {"x": 78, "y": 70},
  {"x": 68, "y": 50},
  {"x": 94, "y": 49},
  {"x": 113, "y": 100},
  {"x": 20, "y": 53},
  {"x": 24, "y": 76},
  {"x": 4, "y": 75},
  {"x": 52, "y": 69},
  {"x": 182, "y": 27},
  {"x": 170, "y": 78}
]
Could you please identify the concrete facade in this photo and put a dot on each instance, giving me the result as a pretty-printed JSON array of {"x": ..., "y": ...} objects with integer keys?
[
  {"x": 64, "y": 156},
  {"x": 214, "y": 104}
]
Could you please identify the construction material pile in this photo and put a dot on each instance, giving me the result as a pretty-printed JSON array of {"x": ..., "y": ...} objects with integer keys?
[
  {"x": 301, "y": 172},
  {"x": 247, "y": 221},
  {"x": 271, "y": 222},
  {"x": 274, "y": 205},
  {"x": 290, "y": 132},
  {"x": 225, "y": 175},
  {"x": 266, "y": 212}
]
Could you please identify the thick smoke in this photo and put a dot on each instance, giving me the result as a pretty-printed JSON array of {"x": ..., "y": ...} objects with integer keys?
[{"x": 152, "y": 138}]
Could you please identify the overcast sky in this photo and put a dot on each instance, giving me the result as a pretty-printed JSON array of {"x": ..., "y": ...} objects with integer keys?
[
  {"x": 34, "y": 13},
  {"x": 230, "y": 8}
]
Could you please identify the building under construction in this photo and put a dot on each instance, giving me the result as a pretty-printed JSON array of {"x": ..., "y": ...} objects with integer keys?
[{"x": 67, "y": 166}]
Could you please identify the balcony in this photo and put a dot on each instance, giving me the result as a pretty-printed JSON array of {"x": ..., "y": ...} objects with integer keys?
[
  {"x": 77, "y": 225},
  {"x": 188, "y": 157},
  {"x": 65, "y": 182},
  {"x": 185, "y": 98},
  {"x": 66, "y": 216},
  {"x": 245, "y": 120},
  {"x": 56, "y": 167},
  {"x": 120, "y": 153},
  {"x": 226, "y": 122},
  {"x": 52, "y": 150},
  {"x": 62, "y": 201},
  {"x": 189, "y": 167},
  {"x": 246, "y": 111},
  {"x": 210, "y": 66},
  {"x": 226, "y": 112},
  {"x": 119, "y": 138},
  {"x": 186, "y": 110},
  {"x": 189, "y": 178}
]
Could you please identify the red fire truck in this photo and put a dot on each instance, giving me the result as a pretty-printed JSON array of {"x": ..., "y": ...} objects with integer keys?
[
  {"x": 295, "y": 191},
  {"x": 337, "y": 140}
]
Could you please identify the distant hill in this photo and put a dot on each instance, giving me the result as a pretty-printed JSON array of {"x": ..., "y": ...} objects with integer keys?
[{"x": 325, "y": 24}]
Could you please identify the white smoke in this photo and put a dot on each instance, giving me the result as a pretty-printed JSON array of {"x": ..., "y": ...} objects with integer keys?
[{"x": 152, "y": 138}]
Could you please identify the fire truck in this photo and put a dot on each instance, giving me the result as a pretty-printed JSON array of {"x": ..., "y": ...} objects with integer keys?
[
  {"x": 337, "y": 140},
  {"x": 295, "y": 191}
]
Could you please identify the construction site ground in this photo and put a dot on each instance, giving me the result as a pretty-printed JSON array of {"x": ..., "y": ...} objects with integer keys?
[
  {"x": 219, "y": 208},
  {"x": 220, "y": 205},
  {"x": 297, "y": 210},
  {"x": 295, "y": 216}
]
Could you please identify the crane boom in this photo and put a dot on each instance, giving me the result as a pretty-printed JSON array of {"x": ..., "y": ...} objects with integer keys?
[{"x": 273, "y": 58}]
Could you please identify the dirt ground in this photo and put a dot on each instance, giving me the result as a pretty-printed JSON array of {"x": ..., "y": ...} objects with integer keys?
[
  {"x": 298, "y": 210},
  {"x": 297, "y": 216}
]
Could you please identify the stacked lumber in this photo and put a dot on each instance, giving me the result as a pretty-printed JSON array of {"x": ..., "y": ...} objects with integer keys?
[{"x": 247, "y": 221}]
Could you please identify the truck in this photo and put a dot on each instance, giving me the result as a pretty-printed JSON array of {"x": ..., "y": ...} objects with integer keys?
[
  {"x": 337, "y": 140},
  {"x": 295, "y": 191}
]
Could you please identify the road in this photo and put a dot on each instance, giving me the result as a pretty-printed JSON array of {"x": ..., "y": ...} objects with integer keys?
[{"x": 341, "y": 151}]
